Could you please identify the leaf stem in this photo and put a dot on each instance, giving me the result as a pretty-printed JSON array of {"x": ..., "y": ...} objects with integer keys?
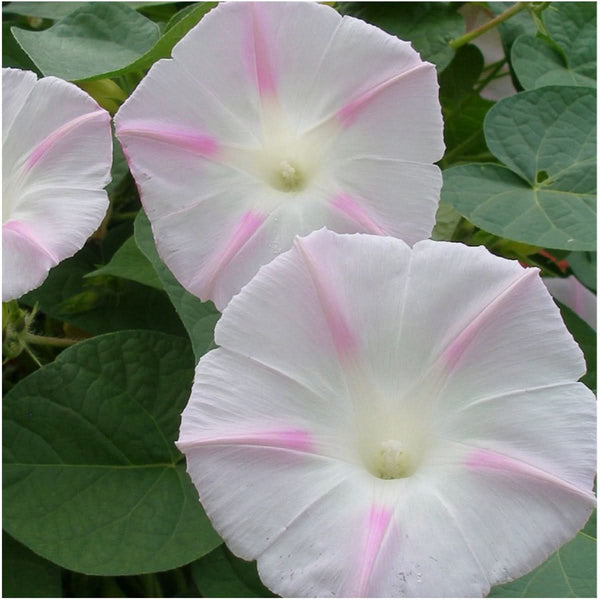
[
  {"x": 40, "y": 340},
  {"x": 471, "y": 35},
  {"x": 490, "y": 76}
]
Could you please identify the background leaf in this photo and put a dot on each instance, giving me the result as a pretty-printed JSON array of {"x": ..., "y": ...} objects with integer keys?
[
  {"x": 91, "y": 42},
  {"x": 92, "y": 479},
  {"x": 27, "y": 575},
  {"x": 512, "y": 28},
  {"x": 12, "y": 53},
  {"x": 571, "y": 59},
  {"x": 429, "y": 26},
  {"x": 102, "y": 305},
  {"x": 547, "y": 196},
  {"x": 537, "y": 64},
  {"x": 572, "y": 26},
  {"x": 585, "y": 337},
  {"x": 199, "y": 318},
  {"x": 43, "y": 10},
  {"x": 97, "y": 49},
  {"x": 584, "y": 266},
  {"x": 569, "y": 573},
  {"x": 220, "y": 574},
  {"x": 128, "y": 262},
  {"x": 463, "y": 108}
]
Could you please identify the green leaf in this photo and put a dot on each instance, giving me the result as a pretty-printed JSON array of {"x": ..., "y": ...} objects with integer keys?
[
  {"x": 584, "y": 267},
  {"x": 43, "y": 10},
  {"x": 12, "y": 54},
  {"x": 175, "y": 30},
  {"x": 199, "y": 318},
  {"x": 105, "y": 40},
  {"x": 569, "y": 573},
  {"x": 585, "y": 337},
  {"x": 222, "y": 575},
  {"x": 100, "y": 306},
  {"x": 446, "y": 222},
  {"x": 58, "y": 10},
  {"x": 546, "y": 197},
  {"x": 537, "y": 64},
  {"x": 119, "y": 169},
  {"x": 429, "y": 26},
  {"x": 27, "y": 575},
  {"x": 128, "y": 262},
  {"x": 93, "y": 41},
  {"x": 572, "y": 60},
  {"x": 572, "y": 26},
  {"x": 92, "y": 478},
  {"x": 512, "y": 28},
  {"x": 463, "y": 108}
]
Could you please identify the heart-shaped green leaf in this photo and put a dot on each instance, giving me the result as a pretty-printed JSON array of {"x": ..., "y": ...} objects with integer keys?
[
  {"x": 92, "y": 478},
  {"x": 546, "y": 197},
  {"x": 572, "y": 60},
  {"x": 93, "y": 41}
]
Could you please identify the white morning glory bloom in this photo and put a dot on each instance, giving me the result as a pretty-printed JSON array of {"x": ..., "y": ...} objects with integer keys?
[
  {"x": 388, "y": 421},
  {"x": 275, "y": 119},
  {"x": 575, "y": 295},
  {"x": 57, "y": 153}
]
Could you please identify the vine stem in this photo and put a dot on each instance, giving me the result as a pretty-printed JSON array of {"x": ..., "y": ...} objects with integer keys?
[
  {"x": 471, "y": 35},
  {"x": 40, "y": 340}
]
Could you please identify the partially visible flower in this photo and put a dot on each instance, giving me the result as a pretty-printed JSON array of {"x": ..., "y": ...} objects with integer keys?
[
  {"x": 490, "y": 44},
  {"x": 381, "y": 421},
  {"x": 57, "y": 149},
  {"x": 274, "y": 119},
  {"x": 575, "y": 295}
]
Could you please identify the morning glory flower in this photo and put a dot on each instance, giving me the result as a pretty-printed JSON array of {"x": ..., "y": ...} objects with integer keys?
[
  {"x": 575, "y": 295},
  {"x": 57, "y": 151},
  {"x": 275, "y": 119},
  {"x": 388, "y": 421}
]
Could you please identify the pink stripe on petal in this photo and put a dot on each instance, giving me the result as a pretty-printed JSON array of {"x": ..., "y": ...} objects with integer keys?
[
  {"x": 245, "y": 229},
  {"x": 198, "y": 143},
  {"x": 346, "y": 205},
  {"x": 258, "y": 55},
  {"x": 485, "y": 459},
  {"x": 348, "y": 113},
  {"x": 453, "y": 353},
  {"x": 377, "y": 525},
  {"x": 343, "y": 338},
  {"x": 289, "y": 439},
  {"x": 25, "y": 231},
  {"x": 49, "y": 141}
]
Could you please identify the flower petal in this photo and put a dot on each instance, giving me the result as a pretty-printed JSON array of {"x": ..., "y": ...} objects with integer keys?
[
  {"x": 575, "y": 295},
  {"x": 357, "y": 474},
  {"x": 266, "y": 108},
  {"x": 57, "y": 150},
  {"x": 25, "y": 262},
  {"x": 16, "y": 87},
  {"x": 394, "y": 192}
]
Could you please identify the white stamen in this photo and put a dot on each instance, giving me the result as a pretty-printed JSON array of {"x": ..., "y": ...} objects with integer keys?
[{"x": 393, "y": 462}]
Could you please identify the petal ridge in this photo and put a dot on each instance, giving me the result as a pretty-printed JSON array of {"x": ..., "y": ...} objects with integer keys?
[{"x": 520, "y": 466}]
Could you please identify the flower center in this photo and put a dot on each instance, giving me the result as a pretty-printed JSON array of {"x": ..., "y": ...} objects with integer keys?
[
  {"x": 288, "y": 177},
  {"x": 392, "y": 461}
]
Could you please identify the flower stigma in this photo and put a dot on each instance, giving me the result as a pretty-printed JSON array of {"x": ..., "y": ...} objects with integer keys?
[
  {"x": 289, "y": 177},
  {"x": 393, "y": 461}
]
